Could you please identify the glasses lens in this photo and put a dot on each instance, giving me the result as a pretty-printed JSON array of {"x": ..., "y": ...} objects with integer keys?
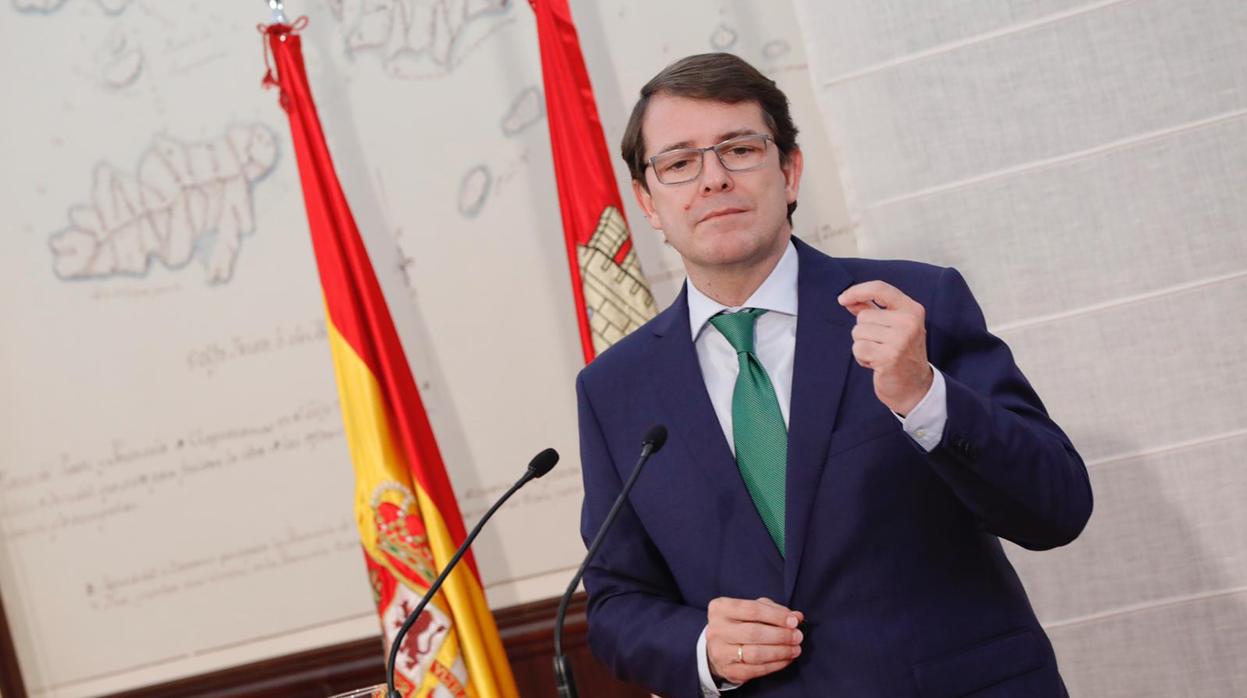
[
  {"x": 675, "y": 166},
  {"x": 742, "y": 153}
]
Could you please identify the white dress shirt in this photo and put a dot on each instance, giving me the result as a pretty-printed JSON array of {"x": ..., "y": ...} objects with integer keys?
[{"x": 775, "y": 344}]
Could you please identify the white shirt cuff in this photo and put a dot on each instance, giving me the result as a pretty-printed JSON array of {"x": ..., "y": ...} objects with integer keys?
[
  {"x": 925, "y": 423},
  {"x": 709, "y": 688}
]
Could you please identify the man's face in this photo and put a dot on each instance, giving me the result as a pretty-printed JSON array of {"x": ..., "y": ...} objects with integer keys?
[{"x": 721, "y": 220}]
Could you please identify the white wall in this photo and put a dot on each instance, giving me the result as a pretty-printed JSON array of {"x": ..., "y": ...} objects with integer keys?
[{"x": 1083, "y": 164}]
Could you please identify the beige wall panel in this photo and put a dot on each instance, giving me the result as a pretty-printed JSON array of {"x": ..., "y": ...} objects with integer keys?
[
  {"x": 1086, "y": 231},
  {"x": 1145, "y": 374},
  {"x": 1166, "y": 525},
  {"x": 1183, "y": 650},
  {"x": 1082, "y": 164},
  {"x": 1099, "y": 77},
  {"x": 857, "y": 35}
]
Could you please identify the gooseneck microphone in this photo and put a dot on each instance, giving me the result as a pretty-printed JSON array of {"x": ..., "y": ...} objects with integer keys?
[
  {"x": 651, "y": 444},
  {"x": 538, "y": 466}
]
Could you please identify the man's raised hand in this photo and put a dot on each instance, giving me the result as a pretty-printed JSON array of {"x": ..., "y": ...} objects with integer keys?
[{"x": 890, "y": 338}]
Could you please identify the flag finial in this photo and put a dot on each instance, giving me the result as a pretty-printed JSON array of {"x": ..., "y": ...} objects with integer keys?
[{"x": 279, "y": 12}]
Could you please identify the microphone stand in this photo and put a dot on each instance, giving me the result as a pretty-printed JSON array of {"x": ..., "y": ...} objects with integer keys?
[{"x": 566, "y": 682}]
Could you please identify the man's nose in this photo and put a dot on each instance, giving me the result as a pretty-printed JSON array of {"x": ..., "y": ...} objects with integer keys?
[{"x": 714, "y": 176}]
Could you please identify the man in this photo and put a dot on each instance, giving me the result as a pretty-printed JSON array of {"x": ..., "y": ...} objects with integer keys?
[{"x": 846, "y": 443}]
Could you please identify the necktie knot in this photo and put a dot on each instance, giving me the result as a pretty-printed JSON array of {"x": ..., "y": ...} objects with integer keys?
[{"x": 738, "y": 327}]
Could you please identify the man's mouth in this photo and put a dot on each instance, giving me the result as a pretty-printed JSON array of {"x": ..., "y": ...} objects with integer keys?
[{"x": 720, "y": 212}]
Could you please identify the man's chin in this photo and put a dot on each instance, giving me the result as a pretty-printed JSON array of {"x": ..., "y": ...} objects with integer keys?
[{"x": 728, "y": 252}]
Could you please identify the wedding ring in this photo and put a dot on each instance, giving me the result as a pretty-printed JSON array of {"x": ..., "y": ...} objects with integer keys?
[{"x": 740, "y": 653}]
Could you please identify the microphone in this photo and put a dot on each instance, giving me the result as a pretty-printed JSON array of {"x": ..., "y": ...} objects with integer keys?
[
  {"x": 650, "y": 444},
  {"x": 538, "y": 466}
]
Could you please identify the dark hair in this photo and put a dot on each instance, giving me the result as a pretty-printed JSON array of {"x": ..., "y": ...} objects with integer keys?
[{"x": 717, "y": 77}]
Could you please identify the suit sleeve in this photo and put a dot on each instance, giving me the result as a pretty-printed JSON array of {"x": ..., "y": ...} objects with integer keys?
[
  {"x": 638, "y": 623},
  {"x": 1008, "y": 462}
]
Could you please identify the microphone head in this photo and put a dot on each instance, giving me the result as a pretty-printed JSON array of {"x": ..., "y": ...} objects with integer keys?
[
  {"x": 655, "y": 437},
  {"x": 543, "y": 462}
]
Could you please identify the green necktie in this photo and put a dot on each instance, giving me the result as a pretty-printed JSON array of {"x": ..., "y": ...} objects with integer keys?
[{"x": 758, "y": 429}]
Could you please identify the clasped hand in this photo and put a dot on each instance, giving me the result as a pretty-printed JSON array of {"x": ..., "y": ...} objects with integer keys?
[{"x": 746, "y": 639}]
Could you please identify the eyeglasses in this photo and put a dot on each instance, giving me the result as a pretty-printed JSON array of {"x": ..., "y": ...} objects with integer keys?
[{"x": 735, "y": 154}]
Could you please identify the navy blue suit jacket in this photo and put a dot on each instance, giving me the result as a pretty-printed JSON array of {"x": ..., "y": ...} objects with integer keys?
[{"x": 892, "y": 552}]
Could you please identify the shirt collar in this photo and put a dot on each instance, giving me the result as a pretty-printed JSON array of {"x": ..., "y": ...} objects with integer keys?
[{"x": 778, "y": 293}]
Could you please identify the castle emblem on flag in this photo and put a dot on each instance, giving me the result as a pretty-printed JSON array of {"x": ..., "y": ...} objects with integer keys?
[{"x": 617, "y": 297}]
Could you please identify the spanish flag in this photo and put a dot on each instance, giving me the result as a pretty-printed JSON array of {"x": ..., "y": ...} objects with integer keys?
[
  {"x": 612, "y": 295},
  {"x": 409, "y": 522}
]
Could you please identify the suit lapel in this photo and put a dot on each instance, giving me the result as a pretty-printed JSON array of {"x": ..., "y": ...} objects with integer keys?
[
  {"x": 688, "y": 412},
  {"x": 824, "y": 352}
]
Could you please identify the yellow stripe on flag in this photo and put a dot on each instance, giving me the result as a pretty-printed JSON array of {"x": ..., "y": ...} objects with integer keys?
[{"x": 382, "y": 475}]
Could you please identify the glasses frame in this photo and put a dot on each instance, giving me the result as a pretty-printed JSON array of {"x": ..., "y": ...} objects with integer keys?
[{"x": 700, "y": 155}]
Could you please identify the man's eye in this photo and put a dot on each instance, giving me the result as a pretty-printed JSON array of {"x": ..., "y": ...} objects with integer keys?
[{"x": 676, "y": 165}]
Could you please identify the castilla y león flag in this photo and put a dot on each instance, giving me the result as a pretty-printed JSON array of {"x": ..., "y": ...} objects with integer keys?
[
  {"x": 409, "y": 522},
  {"x": 612, "y": 296}
]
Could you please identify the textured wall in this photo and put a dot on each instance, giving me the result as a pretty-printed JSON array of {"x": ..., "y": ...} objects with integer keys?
[{"x": 1083, "y": 164}]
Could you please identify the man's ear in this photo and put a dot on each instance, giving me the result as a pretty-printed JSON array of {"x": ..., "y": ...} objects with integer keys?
[
  {"x": 792, "y": 174},
  {"x": 646, "y": 202}
]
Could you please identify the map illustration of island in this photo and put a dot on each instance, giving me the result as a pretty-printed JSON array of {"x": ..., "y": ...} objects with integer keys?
[
  {"x": 416, "y": 38},
  {"x": 187, "y": 200},
  {"x": 47, "y": 7}
]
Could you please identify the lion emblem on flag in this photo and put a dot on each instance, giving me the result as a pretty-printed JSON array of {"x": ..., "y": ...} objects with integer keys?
[{"x": 401, "y": 571}]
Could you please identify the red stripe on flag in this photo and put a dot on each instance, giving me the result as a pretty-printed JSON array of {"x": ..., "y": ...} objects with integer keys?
[
  {"x": 356, "y": 305},
  {"x": 582, "y": 163}
]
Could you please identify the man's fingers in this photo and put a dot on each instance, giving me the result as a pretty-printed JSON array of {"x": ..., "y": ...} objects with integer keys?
[
  {"x": 746, "y": 639},
  {"x": 875, "y": 316},
  {"x": 744, "y": 610},
  {"x": 880, "y": 292},
  {"x": 868, "y": 354},
  {"x": 754, "y": 653},
  {"x": 758, "y": 660},
  {"x": 740, "y": 673},
  {"x": 877, "y": 333},
  {"x": 758, "y": 634},
  {"x": 768, "y": 602},
  {"x": 767, "y": 654},
  {"x": 899, "y": 319},
  {"x": 723, "y": 638},
  {"x": 769, "y": 668},
  {"x": 869, "y": 294}
]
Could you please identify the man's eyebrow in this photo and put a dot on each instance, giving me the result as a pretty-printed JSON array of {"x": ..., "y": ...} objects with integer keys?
[{"x": 727, "y": 136}]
